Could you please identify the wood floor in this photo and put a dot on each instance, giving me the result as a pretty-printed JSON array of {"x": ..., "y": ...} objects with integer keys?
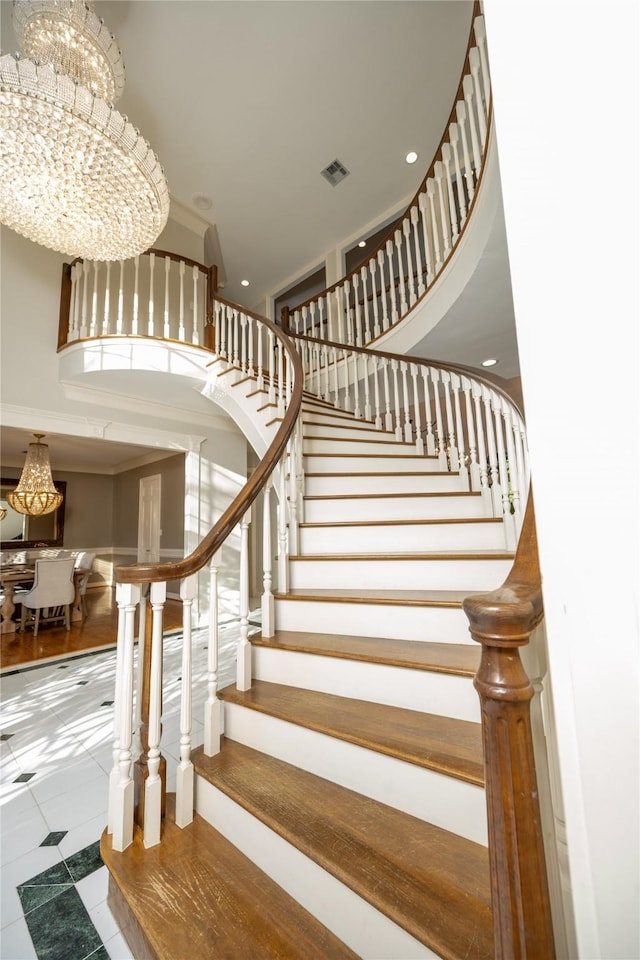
[{"x": 97, "y": 630}]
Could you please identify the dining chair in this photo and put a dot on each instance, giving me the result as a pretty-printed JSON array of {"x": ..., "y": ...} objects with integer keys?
[
  {"x": 52, "y": 594},
  {"x": 84, "y": 561}
]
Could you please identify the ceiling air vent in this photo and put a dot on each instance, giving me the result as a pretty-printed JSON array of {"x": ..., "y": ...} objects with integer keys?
[{"x": 335, "y": 172}]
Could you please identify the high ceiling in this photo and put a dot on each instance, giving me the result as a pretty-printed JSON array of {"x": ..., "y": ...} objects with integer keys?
[{"x": 246, "y": 101}]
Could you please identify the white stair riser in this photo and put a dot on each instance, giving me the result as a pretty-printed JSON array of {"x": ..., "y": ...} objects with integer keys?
[
  {"x": 442, "y": 800},
  {"x": 396, "y": 462},
  {"x": 318, "y": 486},
  {"x": 435, "y": 624},
  {"x": 392, "y": 508},
  {"x": 400, "y": 574},
  {"x": 439, "y": 693},
  {"x": 365, "y": 431},
  {"x": 334, "y": 444},
  {"x": 363, "y": 928},
  {"x": 410, "y": 537}
]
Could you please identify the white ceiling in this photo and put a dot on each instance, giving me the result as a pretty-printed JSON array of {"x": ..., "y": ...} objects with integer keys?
[
  {"x": 248, "y": 100},
  {"x": 83, "y": 454}
]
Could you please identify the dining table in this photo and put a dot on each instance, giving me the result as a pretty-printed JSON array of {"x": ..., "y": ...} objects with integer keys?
[{"x": 15, "y": 579}]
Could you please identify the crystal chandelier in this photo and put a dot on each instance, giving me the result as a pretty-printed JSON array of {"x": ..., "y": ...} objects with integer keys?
[
  {"x": 75, "y": 175},
  {"x": 35, "y": 494}
]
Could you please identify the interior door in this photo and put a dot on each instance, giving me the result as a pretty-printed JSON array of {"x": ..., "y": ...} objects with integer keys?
[{"x": 149, "y": 520}]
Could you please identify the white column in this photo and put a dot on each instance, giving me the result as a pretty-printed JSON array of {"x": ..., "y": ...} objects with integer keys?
[
  {"x": 184, "y": 773},
  {"x": 243, "y": 678},
  {"x": 122, "y": 797},
  {"x": 212, "y": 724}
]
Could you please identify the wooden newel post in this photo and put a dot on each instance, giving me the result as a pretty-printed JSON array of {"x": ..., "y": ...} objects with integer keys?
[
  {"x": 285, "y": 322},
  {"x": 502, "y": 622},
  {"x": 209, "y": 327},
  {"x": 65, "y": 305}
]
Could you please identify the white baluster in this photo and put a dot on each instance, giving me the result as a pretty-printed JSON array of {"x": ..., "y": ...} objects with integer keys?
[
  {"x": 74, "y": 310},
  {"x": 336, "y": 387},
  {"x": 431, "y": 444},
  {"x": 292, "y": 499},
  {"x": 272, "y": 364},
  {"x": 243, "y": 678},
  {"x": 356, "y": 306},
  {"x": 184, "y": 772},
  {"x": 406, "y": 229},
  {"x": 474, "y": 63},
  {"x": 341, "y": 319},
  {"x": 122, "y": 797},
  {"x": 492, "y": 453},
  {"x": 153, "y": 783},
  {"x": 467, "y": 87},
  {"x": 114, "y": 775},
  {"x": 374, "y": 295},
  {"x": 365, "y": 297},
  {"x": 446, "y": 157},
  {"x": 325, "y": 372},
  {"x": 401, "y": 284},
  {"x": 438, "y": 170},
  {"x": 182, "y": 333},
  {"x": 454, "y": 137},
  {"x": 415, "y": 214},
  {"x": 166, "y": 325},
  {"x": 481, "y": 40},
  {"x": 280, "y": 385},
  {"x": 513, "y": 484},
  {"x": 367, "y": 389},
  {"x": 296, "y": 317},
  {"x": 243, "y": 343},
  {"x": 376, "y": 392},
  {"x": 283, "y": 567},
  {"x": 408, "y": 433},
  {"x": 349, "y": 318},
  {"x": 93, "y": 329},
  {"x": 150, "y": 316},
  {"x": 347, "y": 387},
  {"x": 356, "y": 387},
  {"x": 461, "y": 115},
  {"x": 136, "y": 296},
  {"x": 423, "y": 202},
  {"x": 325, "y": 333},
  {"x": 442, "y": 443},
  {"x": 260, "y": 377},
  {"x": 435, "y": 232},
  {"x": 330, "y": 314},
  {"x": 194, "y": 335},
  {"x": 485, "y": 490},
  {"x": 474, "y": 467},
  {"x": 462, "y": 457},
  {"x": 383, "y": 292},
  {"x": 396, "y": 397},
  {"x": 452, "y": 449},
  {"x": 304, "y": 314},
  {"x": 392, "y": 281},
  {"x": 268, "y": 624},
  {"x": 521, "y": 456},
  {"x": 212, "y": 718},
  {"x": 106, "y": 316},
  {"x": 416, "y": 411},
  {"x": 219, "y": 327},
  {"x": 388, "y": 418},
  {"x": 119, "y": 321},
  {"x": 507, "y": 516}
]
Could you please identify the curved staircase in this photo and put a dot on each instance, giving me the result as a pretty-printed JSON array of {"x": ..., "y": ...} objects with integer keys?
[{"x": 351, "y": 772}]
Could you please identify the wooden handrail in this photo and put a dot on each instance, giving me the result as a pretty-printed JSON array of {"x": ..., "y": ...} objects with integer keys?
[
  {"x": 503, "y": 621},
  {"x": 158, "y": 572},
  {"x": 477, "y": 11}
]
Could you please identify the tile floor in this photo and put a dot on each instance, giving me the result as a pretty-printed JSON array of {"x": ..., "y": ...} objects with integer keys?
[{"x": 56, "y": 726}]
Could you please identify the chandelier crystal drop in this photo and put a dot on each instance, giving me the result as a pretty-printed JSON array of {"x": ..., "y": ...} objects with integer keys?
[
  {"x": 35, "y": 494},
  {"x": 75, "y": 175}
]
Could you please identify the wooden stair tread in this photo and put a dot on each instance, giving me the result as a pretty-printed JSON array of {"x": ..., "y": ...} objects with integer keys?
[
  {"x": 195, "y": 895},
  {"x": 452, "y": 747},
  {"x": 429, "y": 881},
  {"x": 385, "y": 496},
  {"x": 412, "y": 598},
  {"x": 459, "y": 659}
]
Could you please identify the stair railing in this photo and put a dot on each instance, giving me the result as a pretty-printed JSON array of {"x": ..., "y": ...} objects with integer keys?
[
  {"x": 157, "y": 294},
  {"x": 403, "y": 268},
  {"x": 469, "y": 423},
  {"x": 137, "y": 791},
  {"x": 474, "y": 427}
]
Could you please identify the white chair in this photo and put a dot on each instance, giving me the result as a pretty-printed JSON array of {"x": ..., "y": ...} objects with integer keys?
[
  {"x": 84, "y": 561},
  {"x": 53, "y": 592}
]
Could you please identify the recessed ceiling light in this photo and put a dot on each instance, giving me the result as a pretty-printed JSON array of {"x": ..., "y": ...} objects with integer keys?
[
  {"x": 411, "y": 157},
  {"x": 245, "y": 283},
  {"x": 202, "y": 201},
  {"x": 362, "y": 243},
  {"x": 489, "y": 363}
]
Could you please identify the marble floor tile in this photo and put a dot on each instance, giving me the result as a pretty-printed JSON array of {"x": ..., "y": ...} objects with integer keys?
[
  {"x": 16, "y": 942},
  {"x": 24, "y": 836},
  {"x": 61, "y": 927},
  {"x": 93, "y": 890},
  {"x": 118, "y": 949}
]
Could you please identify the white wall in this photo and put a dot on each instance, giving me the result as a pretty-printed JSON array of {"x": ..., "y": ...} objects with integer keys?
[{"x": 565, "y": 79}]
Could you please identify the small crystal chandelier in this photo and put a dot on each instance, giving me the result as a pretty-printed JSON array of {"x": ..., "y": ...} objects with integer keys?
[
  {"x": 35, "y": 494},
  {"x": 75, "y": 175}
]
